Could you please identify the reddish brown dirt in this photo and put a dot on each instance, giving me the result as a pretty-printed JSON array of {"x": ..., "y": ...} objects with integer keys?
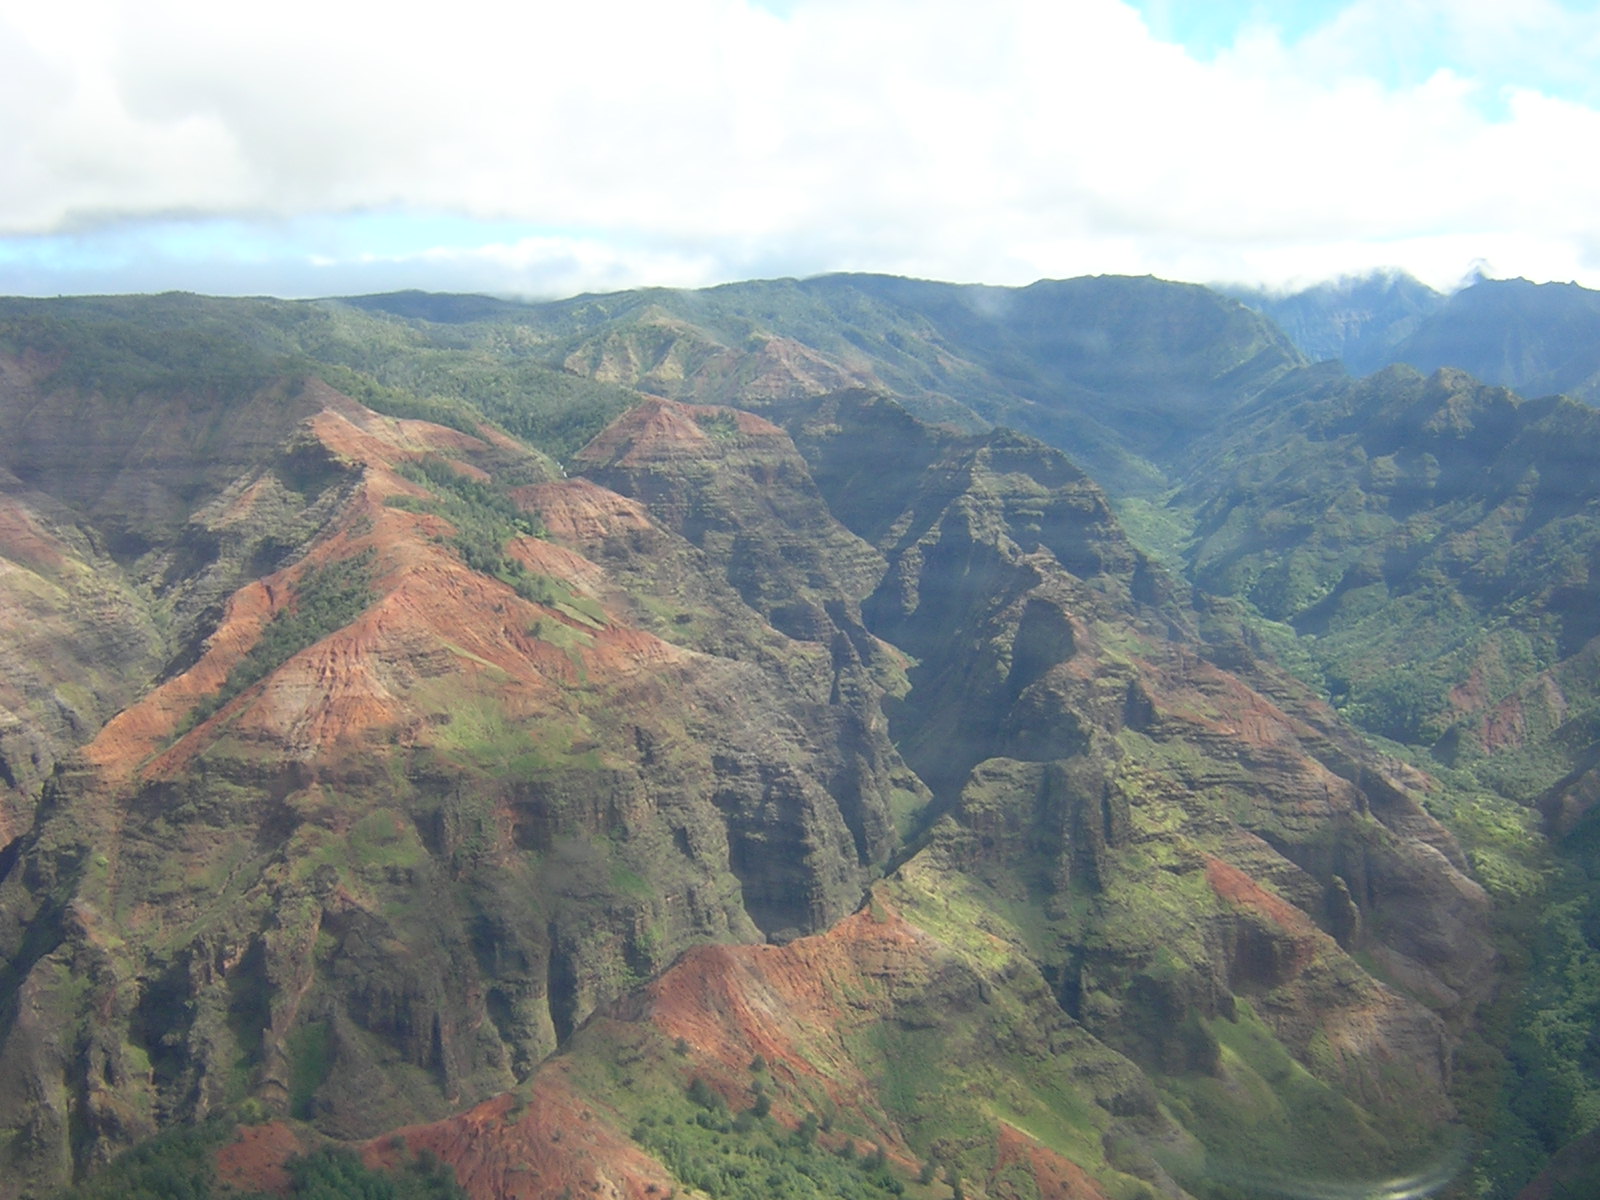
[
  {"x": 784, "y": 367},
  {"x": 653, "y": 428},
  {"x": 1196, "y": 701},
  {"x": 1235, "y": 887},
  {"x": 254, "y": 1162},
  {"x": 1504, "y": 727},
  {"x": 556, "y": 1143},
  {"x": 787, "y": 1004},
  {"x": 23, "y": 541},
  {"x": 358, "y": 688},
  {"x": 360, "y": 435},
  {"x": 728, "y": 1003},
  {"x": 794, "y": 1005},
  {"x": 1054, "y": 1176},
  {"x": 797, "y": 1006},
  {"x": 1186, "y": 688},
  {"x": 576, "y": 510},
  {"x": 548, "y": 558},
  {"x": 1471, "y": 694},
  {"x": 137, "y": 732},
  {"x": 660, "y": 428},
  {"x": 504, "y": 1149},
  {"x": 1368, "y": 1029}
]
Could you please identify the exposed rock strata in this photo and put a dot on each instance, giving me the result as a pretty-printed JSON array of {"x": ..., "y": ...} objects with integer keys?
[
  {"x": 576, "y": 798},
  {"x": 383, "y": 882}
]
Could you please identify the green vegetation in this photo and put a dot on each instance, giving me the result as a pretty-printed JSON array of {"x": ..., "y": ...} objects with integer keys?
[
  {"x": 177, "y": 1164},
  {"x": 128, "y": 346},
  {"x": 337, "y": 1174},
  {"x": 1265, "y": 1113},
  {"x": 309, "y": 1063},
  {"x": 485, "y": 518},
  {"x": 748, "y": 1156},
  {"x": 1540, "y": 1054},
  {"x": 326, "y": 599},
  {"x": 1419, "y": 536},
  {"x": 1554, "y": 1045},
  {"x": 393, "y": 402},
  {"x": 180, "y": 1164},
  {"x": 771, "y": 1140},
  {"x": 1420, "y": 552},
  {"x": 458, "y": 375}
]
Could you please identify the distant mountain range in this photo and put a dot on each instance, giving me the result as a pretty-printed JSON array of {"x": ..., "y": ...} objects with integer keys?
[
  {"x": 801, "y": 738},
  {"x": 1536, "y": 338}
]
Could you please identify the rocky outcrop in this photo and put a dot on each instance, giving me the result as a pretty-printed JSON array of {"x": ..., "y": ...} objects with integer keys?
[
  {"x": 77, "y": 642},
  {"x": 739, "y": 512},
  {"x": 1206, "y": 846},
  {"x": 427, "y": 797},
  {"x": 124, "y": 526},
  {"x": 389, "y": 871}
]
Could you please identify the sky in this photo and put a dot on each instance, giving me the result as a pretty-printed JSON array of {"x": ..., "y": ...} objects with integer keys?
[{"x": 334, "y": 147}]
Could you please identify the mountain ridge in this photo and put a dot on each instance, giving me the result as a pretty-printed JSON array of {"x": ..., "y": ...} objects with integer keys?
[
  {"x": 819, "y": 682},
  {"x": 1536, "y": 338}
]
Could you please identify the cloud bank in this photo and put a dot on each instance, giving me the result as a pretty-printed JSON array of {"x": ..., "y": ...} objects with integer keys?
[{"x": 322, "y": 147}]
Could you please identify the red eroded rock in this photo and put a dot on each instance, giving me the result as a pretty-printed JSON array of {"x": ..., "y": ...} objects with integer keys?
[
  {"x": 254, "y": 1160},
  {"x": 553, "y": 1143},
  {"x": 1055, "y": 1177}
]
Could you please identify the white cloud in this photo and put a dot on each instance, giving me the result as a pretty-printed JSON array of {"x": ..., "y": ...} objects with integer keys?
[
  {"x": 1533, "y": 43},
  {"x": 560, "y": 266},
  {"x": 711, "y": 138}
]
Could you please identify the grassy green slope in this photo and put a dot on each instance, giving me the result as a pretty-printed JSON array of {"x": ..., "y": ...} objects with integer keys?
[{"x": 1109, "y": 368}]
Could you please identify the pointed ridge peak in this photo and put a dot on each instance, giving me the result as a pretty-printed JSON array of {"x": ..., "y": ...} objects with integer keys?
[
  {"x": 369, "y": 438},
  {"x": 580, "y": 510},
  {"x": 644, "y": 430},
  {"x": 662, "y": 428},
  {"x": 1004, "y": 451},
  {"x": 1454, "y": 386}
]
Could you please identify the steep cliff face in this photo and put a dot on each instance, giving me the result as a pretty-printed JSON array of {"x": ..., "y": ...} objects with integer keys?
[
  {"x": 1435, "y": 537},
  {"x": 402, "y": 824},
  {"x": 127, "y": 522},
  {"x": 77, "y": 643},
  {"x": 1201, "y": 846},
  {"x": 1128, "y": 934},
  {"x": 875, "y": 1037},
  {"x": 447, "y": 762},
  {"x": 920, "y": 1034},
  {"x": 741, "y": 515}
]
